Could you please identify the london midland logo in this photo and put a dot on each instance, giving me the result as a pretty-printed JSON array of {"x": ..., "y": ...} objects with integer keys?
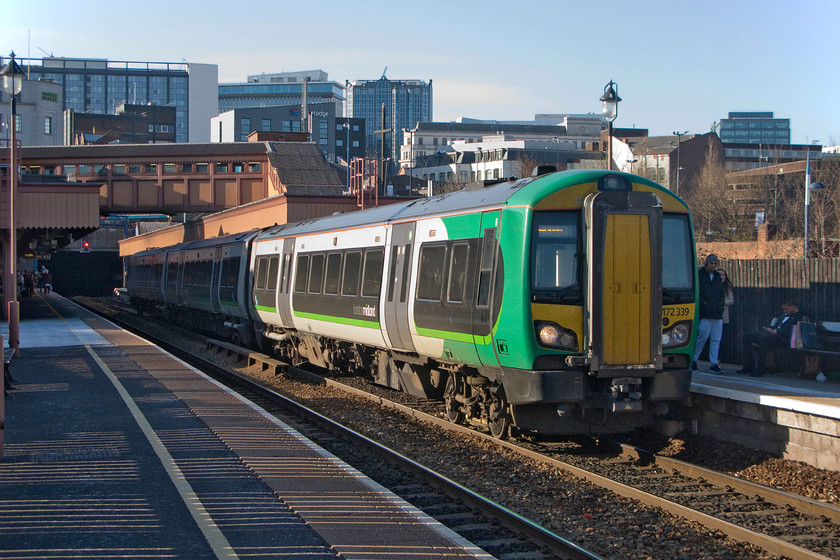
[{"x": 364, "y": 310}]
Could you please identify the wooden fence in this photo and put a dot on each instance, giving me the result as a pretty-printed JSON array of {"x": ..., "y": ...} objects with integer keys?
[{"x": 762, "y": 285}]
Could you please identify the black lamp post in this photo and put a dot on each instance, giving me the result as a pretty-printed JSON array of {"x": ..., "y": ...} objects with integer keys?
[
  {"x": 12, "y": 84},
  {"x": 808, "y": 187},
  {"x": 610, "y": 99},
  {"x": 679, "y": 140}
]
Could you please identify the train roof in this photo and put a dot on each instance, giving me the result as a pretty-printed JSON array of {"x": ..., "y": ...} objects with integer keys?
[
  {"x": 201, "y": 243},
  {"x": 449, "y": 203},
  {"x": 527, "y": 191}
]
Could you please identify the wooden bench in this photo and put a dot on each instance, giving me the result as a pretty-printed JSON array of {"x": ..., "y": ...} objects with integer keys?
[{"x": 822, "y": 353}]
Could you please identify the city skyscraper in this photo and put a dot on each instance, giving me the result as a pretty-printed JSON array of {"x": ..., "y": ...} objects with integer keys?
[{"x": 406, "y": 102}]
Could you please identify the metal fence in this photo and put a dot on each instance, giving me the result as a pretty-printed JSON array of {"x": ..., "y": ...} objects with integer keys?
[{"x": 762, "y": 285}]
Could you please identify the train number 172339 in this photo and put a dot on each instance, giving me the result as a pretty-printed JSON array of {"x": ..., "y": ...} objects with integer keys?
[{"x": 676, "y": 311}]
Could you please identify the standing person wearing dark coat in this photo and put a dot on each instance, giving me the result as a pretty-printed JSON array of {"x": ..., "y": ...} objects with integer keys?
[
  {"x": 47, "y": 277},
  {"x": 777, "y": 336},
  {"x": 712, "y": 303}
]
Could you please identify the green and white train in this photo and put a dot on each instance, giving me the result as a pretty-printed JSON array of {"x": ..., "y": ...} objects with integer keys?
[{"x": 563, "y": 304}]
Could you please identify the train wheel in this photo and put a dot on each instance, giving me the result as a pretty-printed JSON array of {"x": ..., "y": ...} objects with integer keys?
[
  {"x": 453, "y": 407},
  {"x": 499, "y": 418}
]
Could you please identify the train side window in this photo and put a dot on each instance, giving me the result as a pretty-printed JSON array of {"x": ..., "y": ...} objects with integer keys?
[
  {"x": 457, "y": 273},
  {"x": 372, "y": 275},
  {"x": 316, "y": 274},
  {"x": 406, "y": 268},
  {"x": 229, "y": 274},
  {"x": 430, "y": 273},
  {"x": 284, "y": 288},
  {"x": 352, "y": 273},
  {"x": 302, "y": 273},
  {"x": 395, "y": 252},
  {"x": 262, "y": 273},
  {"x": 273, "y": 265},
  {"x": 228, "y": 279},
  {"x": 488, "y": 251},
  {"x": 333, "y": 274},
  {"x": 171, "y": 275},
  {"x": 205, "y": 273}
]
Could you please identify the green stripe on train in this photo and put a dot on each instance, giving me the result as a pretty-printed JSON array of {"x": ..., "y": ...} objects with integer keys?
[
  {"x": 340, "y": 320},
  {"x": 266, "y": 308},
  {"x": 458, "y": 337}
]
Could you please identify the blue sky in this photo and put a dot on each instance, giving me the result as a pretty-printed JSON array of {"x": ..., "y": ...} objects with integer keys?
[{"x": 679, "y": 65}]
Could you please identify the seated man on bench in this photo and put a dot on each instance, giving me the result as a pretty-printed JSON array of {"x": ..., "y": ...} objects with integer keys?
[{"x": 776, "y": 336}]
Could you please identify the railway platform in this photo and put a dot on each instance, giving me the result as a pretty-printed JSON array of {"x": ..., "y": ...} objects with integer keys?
[
  {"x": 115, "y": 449},
  {"x": 797, "y": 418}
]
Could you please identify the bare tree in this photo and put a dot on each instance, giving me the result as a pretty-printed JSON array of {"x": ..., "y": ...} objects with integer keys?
[
  {"x": 448, "y": 187},
  {"x": 824, "y": 210},
  {"x": 643, "y": 166},
  {"x": 710, "y": 199},
  {"x": 527, "y": 164}
]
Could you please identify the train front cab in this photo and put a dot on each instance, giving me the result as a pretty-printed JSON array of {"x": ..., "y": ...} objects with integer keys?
[{"x": 628, "y": 307}]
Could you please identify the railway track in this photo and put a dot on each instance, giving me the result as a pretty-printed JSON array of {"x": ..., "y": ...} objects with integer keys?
[
  {"x": 490, "y": 526},
  {"x": 779, "y": 523}
]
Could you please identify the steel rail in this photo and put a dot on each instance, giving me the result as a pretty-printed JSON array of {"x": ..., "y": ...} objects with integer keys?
[
  {"x": 781, "y": 498},
  {"x": 768, "y": 543},
  {"x": 520, "y": 525}
]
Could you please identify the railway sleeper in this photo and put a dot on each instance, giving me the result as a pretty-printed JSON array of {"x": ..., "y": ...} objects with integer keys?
[{"x": 755, "y": 513}]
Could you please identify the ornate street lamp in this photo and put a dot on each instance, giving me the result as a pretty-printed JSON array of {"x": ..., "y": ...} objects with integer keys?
[
  {"x": 610, "y": 99},
  {"x": 12, "y": 84}
]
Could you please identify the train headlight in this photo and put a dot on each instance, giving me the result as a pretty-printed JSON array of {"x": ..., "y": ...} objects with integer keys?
[
  {"x": 678, "y": 335},
  {"x": 551, "y": 335},
  {"x": 613, "y": 182}
]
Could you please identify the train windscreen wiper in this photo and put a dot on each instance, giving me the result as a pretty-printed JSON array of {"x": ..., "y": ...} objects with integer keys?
[
  {"x": 674, "y": 297},
  {"x": 569, "y": 293}
]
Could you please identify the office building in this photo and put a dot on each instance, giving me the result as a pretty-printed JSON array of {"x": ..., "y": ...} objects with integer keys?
[
  {"x": 283, "y": 89},
  {"x": 744, "y": 156},
  {"x": 555, "y": 144},
  {"x": 406, "y": 102},
  {"x": 100, "y": 86},
  {"x": 38, "y": 114},
  {"x": 754, "y": 128},
  {"x": 320, "y": 125}
]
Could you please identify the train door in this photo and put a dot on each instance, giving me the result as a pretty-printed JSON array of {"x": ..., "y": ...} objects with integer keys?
[
  {"x": 284, "y": 290},
  {"x": 624, "y": 281},
  {"x": 485, "y": 304},
  {"x": 395, "y": 310},
  {"x": 215, "y": 278}
]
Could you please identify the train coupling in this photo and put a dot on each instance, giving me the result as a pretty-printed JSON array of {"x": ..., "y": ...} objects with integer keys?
[
  {"x": 576, "y": 361},
  {"x": 626, "y": 394}
]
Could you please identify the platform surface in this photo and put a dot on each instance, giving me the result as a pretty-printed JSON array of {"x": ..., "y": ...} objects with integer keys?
[
  {"x": 784, "y": 391},
  {"x": 115, "y": 449}
]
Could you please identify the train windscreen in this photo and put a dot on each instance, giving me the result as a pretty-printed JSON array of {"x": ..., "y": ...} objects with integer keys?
[
  {"x": 677, "y": 259},
  {"x": 555, "y": 269}
]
